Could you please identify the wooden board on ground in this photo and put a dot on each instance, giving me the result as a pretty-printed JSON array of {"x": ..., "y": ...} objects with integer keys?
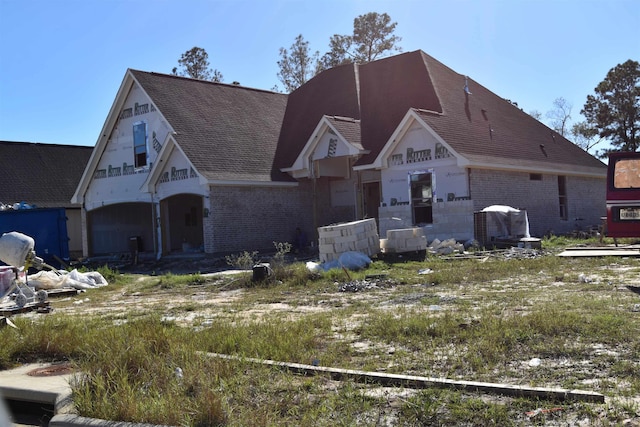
[{"x": 601, "y": 251}]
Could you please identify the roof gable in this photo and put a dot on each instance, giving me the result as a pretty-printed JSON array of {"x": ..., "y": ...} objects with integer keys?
[
  {"x": 389, "y": 88},
  {"x": 103, "y": 137},
  {"x": 228, "y": 132},
  {"x": 410, "y": 119},
  {"x": 333, "y": 137}
]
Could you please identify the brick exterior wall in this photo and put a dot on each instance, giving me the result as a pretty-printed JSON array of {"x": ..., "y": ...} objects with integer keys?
[
  {"x": 252, "y": 218},
  {"x": 244, "y": 218},
  {"x": 328, "y": 214},
  {"x": 585, "y": 198}
]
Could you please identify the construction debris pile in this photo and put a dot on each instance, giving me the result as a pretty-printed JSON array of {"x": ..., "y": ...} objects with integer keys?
[
  {"x": 366, "y": 284},
  {"x": 16, "y": 206},
  {"x": 61, "y": 279},
  {"x": 498, "y": 254},
  {"x": 357, "y": 286},
  {"x": 446, "y": 247},
  {"x": 404, "y": 240},
  {"x": 18, "y": 290}
]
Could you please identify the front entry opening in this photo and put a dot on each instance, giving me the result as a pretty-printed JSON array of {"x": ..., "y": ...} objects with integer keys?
[
  {"x": 182, "y": 224},
  {"x": 371, "y": 199}
]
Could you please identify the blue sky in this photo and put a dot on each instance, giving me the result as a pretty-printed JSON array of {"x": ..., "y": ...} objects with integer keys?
[{"x": 62, "y": 61}]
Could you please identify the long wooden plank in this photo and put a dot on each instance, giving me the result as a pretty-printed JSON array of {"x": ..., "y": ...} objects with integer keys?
[
  {"x": 599, "y": 252},
  {"x": 412, "y": 381}
]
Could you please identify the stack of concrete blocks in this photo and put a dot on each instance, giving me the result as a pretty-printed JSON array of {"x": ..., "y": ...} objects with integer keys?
[
  {"x": 404, "y": 240},
  {"x": 360, "y": 236},
  {"x": 394, "y": 217},
  {"x": 452, "y": 220}
]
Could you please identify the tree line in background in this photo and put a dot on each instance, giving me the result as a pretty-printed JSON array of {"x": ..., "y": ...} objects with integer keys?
[
  {"x": 611, "y": 114},
  {"x": 372, "y": 38}
]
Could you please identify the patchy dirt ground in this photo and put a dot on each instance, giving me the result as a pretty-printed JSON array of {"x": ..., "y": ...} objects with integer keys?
[{"x": 217, "y": 297}]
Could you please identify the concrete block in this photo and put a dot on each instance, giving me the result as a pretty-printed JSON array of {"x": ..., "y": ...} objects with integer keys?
[
  {"x": 324, "y": 249},
  {"x": 399, "y": 234},
  {"x": 419, "y": 243},
  {"x": 362, "y": 245},
  {"x": 342, "y": 239},
  {"x": 399, "y": 244},
  {"x": 329, "y": 233},
  {"x": 352, "y": 236}
]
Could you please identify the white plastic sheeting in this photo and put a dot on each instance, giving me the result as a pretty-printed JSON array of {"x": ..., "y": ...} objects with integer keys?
[
  {"x": 48, "y": 280},
  {"x": 512, "y": 222}
]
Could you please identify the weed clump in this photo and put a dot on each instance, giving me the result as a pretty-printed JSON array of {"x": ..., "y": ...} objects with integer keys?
[{"x": 242, "y": 261}]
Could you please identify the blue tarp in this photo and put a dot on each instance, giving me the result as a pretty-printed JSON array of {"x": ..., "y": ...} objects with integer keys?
[{"x": 349, "y": 260}]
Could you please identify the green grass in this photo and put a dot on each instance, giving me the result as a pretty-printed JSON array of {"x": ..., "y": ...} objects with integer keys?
[{"x": 471, "y": 319}]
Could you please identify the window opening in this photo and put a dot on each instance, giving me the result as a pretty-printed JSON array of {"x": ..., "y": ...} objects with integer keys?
[
  {"x": 626, "y": 174},
  {"x": 421, "y": 197},
  {"x": 562, "y": 194},
  {"x": 140, "y": 144},
  {"x": 535, "y": 177}
]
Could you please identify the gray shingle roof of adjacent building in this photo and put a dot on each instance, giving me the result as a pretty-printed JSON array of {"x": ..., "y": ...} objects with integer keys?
[
  {"x": 45, "y": 175},
  {"x": 228, "y": 132}
]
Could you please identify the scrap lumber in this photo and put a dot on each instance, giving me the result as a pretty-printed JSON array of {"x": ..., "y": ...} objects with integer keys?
[
  {"x": 601, "y": 251},
  {"x": 412, "y": 381}
]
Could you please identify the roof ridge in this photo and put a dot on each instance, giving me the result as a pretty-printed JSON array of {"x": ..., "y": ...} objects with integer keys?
[
  {"x": 345, "y": 119},
  {"x": 185, "y": 78},
  {"x": 47, "y": 144},
  {"x": 422, "y": 110}
]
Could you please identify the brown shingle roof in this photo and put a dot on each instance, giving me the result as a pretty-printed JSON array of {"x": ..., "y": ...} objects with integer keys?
[
  {"x": 228, "y": 132},
  {"x": 234, "y": 133},
  {"x": 332, "y": 92},
  {"x": 349, "y": 128},
  {"x": 388, "y": 89},
  {"x": 482, "y": 127},
  {"x": 485, "y": 128},
  {"x": 45, "y": 175}
]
